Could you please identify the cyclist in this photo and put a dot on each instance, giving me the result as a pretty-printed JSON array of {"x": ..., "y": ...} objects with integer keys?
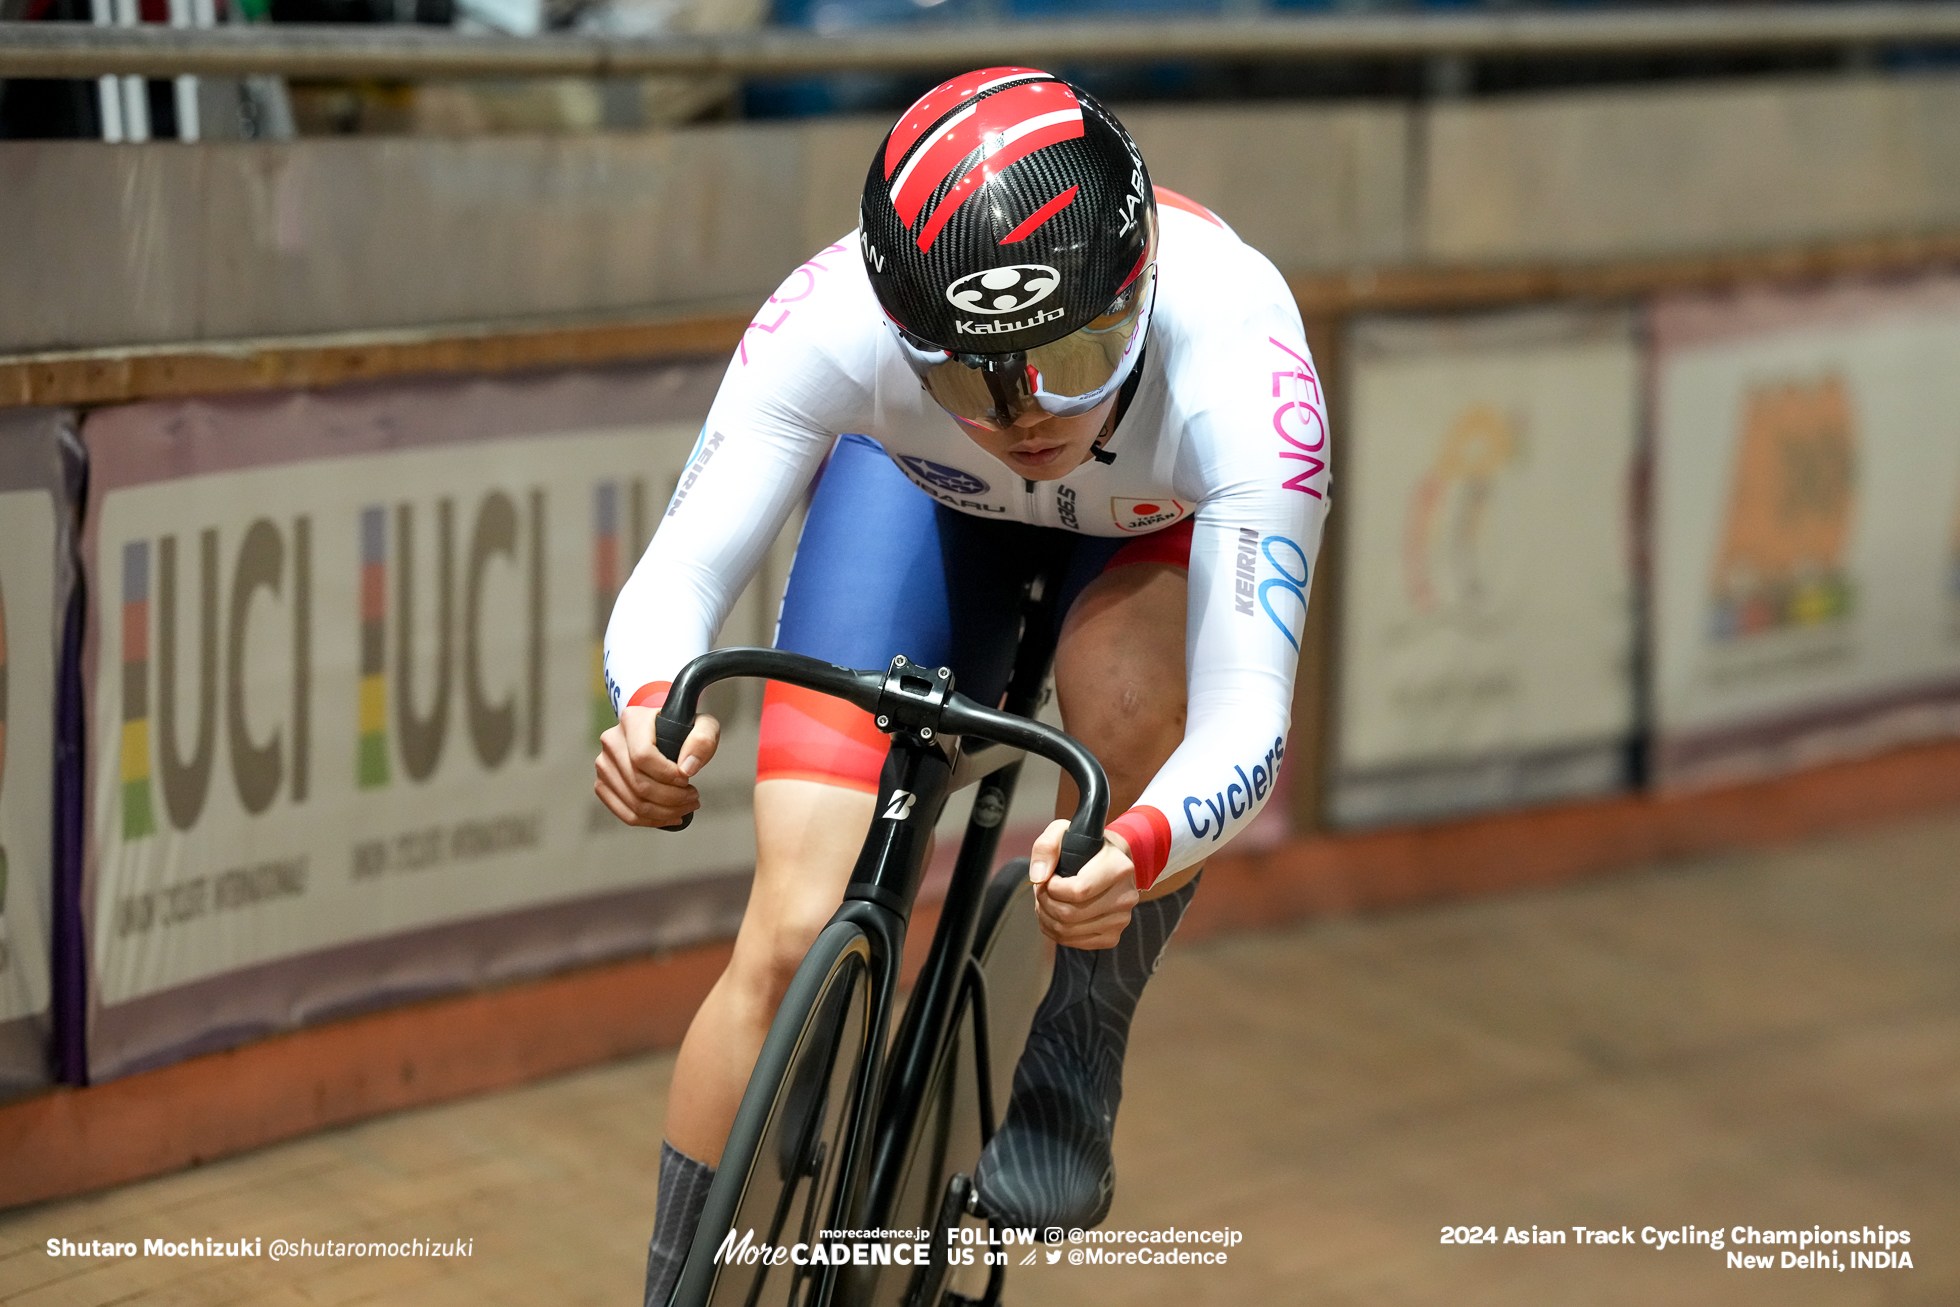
[{"x": 1025, "y": 354}]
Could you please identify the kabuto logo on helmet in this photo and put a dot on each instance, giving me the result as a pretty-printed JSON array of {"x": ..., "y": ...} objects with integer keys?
[{"x": 1003, "y": 290}]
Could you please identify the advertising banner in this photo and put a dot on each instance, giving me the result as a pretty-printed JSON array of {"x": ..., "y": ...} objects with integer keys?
[
  {"x": 1486, "y": 615},
  {"x": 39, "y": 472},
  {"x": 345, "y": 694},
  {"x": 1806, "y": 530}
]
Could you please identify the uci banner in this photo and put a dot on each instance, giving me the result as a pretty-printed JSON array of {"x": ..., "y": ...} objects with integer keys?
[
  {"x": 1806, "y": 538},
  {"x": 40, "y": 476},
  {"x": 345, "y": 695},
  {"x": 1486, "y": 620}
]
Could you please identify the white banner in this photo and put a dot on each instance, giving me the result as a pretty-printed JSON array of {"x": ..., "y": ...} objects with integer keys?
[
  {"x": 28, "y": 640},
  {"x": 39, "y": 462},
  {"x": 1486, "y": 602},
  {"x": 345, "y": 695},
  {"x": 274, "y": 796},
  {"x": 1806, "y": 526}
]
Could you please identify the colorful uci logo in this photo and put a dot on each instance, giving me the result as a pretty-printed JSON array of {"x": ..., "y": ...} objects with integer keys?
[
  {"x": 940, "y": 477},
  {"x": 1004, "y": 290}
]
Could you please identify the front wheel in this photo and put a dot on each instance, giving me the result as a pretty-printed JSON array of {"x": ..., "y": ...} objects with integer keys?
[{"x": 777, "y": 1182}]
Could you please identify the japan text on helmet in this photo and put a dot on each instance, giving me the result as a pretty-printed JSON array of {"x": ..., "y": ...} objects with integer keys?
[{"x": 1010, "y": 234}]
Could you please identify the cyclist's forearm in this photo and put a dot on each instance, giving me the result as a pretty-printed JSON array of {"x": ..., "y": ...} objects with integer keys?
[
  {"x": 731, "y": 503},
  {"x": 1211, "y": 788}
]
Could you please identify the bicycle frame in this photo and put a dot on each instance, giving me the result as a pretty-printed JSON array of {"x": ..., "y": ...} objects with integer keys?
[
  {"x": 945, "y": 971},
  {"x": 916, "y": 707}
]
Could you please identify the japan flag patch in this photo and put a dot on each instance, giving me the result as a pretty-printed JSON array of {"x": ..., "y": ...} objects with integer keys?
[{"x": 1146, "y": 514}]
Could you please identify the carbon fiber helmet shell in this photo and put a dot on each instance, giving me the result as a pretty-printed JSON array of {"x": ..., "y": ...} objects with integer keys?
[{"x": 1004, "y": 210}]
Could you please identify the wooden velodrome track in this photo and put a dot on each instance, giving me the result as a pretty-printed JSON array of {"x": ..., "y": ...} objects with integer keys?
[{"x": 1764, "y": 1039}]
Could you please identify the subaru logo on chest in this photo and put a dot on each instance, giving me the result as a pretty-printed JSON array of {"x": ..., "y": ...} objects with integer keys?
[{"x": 937, "y": 475}]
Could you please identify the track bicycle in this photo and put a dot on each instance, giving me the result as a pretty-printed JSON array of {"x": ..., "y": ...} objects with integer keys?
[{"x": 839, "y": 1128}]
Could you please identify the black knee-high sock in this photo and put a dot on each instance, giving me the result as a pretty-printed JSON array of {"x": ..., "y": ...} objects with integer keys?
[
  {"x": 1050, "y": 1161},
  {"x": 676, "y": 1212}
]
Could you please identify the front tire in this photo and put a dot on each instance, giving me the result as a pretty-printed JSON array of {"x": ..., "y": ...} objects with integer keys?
[{"x": 777, "y": 1183}]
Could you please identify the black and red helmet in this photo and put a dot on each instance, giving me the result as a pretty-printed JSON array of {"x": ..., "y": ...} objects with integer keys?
[{"x": 1006, "y": 212}]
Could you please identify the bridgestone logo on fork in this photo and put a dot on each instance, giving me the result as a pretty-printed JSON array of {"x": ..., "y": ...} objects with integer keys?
[{"x": 900, "y": 807}]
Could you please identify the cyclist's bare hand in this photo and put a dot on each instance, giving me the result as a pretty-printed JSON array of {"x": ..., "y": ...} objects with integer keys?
[
  {"x": 1089, "y": 909},
  {"x": 640, "y": 786}
]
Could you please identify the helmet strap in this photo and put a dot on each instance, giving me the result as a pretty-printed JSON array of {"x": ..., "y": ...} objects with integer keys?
[{"x": 1119, "y": 408}]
